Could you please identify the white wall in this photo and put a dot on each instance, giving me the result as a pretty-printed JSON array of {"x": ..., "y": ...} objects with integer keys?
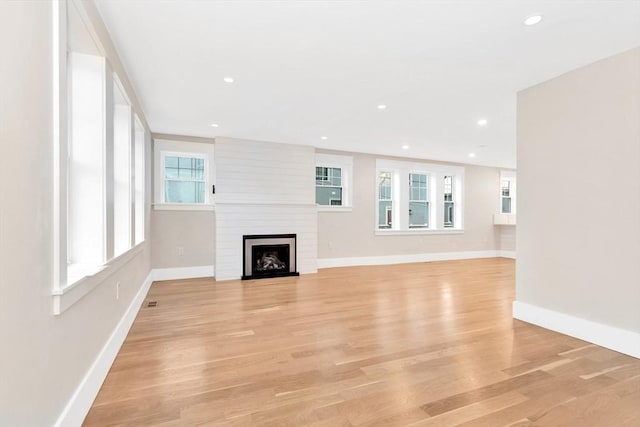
[
  {"x": 579, "y": 197},
  {"x": 343, "y": 235},
  {"x": 43, "y": 357},
  {"x": 263, "y": 188}
]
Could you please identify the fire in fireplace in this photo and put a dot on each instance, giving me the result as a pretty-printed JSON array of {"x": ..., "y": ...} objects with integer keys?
[{"x": 271, "y": 255}]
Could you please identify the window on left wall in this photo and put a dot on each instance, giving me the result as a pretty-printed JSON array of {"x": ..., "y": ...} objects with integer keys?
[{"x": 99, "y": 151}]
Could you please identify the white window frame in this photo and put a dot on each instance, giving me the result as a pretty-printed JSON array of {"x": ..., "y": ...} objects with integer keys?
[
  {"x": 427, "y": 201},
  {"x": 345, "y": 164},
  {"x": 435, "y": 196},
  {"x": 509, "y": 176},
  {"x": 394, "y": 204},
  {"x": 166, "y": 148}
]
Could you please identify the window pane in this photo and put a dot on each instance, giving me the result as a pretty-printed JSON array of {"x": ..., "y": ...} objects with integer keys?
[
  {"x": 418, "y": 187},
  {"x": 322, "y": 175},
  {"x": 418, "y": 214},
  {"x": 384, "y": 186},
  {"x": 329, "y": 196},
  {"x": 415, "y": 193},
  {"x": 184, "y": 179},
  {"x": 139, "y": 152},
  {"x": 448, "y": 214},
  {"x": 122, "y": 178},
  {"x": 171, "y": 172},
  {"x": 171, "y": 162},
  {"x": 329, "y": 176},
  {"x": 183, "y": 191},
  {"x": 185, "y": 173},
  {"x": 506, "y": 205},
  {"x": 385, "y": 209},
  {"x": 506, "y": 188}
]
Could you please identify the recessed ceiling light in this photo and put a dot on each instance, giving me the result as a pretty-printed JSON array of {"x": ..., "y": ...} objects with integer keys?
[
  {"x": 382, "y": 107},
  {"x": 228, "y": 80},
  {"x": 532, "y": 20},
  {"x": 214, "y": 125},
  {"x": 324, "y": 137},
  {"x": 405, "y": 147},
  {"x": 482, "y": 122},
  {"x": 472, "y": 154}
]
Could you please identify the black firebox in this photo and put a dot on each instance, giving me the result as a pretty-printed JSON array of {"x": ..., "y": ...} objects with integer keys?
[{"x": 269, "y": 255}]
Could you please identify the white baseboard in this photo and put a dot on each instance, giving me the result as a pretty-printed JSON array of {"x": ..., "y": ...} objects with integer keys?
[
  {"x": 183, "y": 272},
  {"x": 403, "y": 259},
  {"x": 78, "y": 406},
  {"x": 617, "y": 339},
  {"x": 507, "y": 254}
]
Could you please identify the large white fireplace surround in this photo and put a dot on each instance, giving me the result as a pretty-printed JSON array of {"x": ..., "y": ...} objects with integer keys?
[{"x": 263, "y": 188}]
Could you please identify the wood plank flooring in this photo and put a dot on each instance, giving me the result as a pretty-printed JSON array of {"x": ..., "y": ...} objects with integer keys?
[{"x": 427, "y": 344}]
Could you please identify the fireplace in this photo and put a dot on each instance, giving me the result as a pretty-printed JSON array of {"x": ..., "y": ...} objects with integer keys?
[{"x": 269, "y": 255}]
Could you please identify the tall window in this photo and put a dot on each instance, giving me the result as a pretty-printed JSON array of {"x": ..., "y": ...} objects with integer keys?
[
  {"x": 184, "y": 178},
  {"x": 122, "y": 166},
  {"x": 418, "y": 201},
  {"x": 449, "y": 212},
  {"x": 508, "y": 192},
  {"x": 86, "y": 165},
  {"x": 139, "y": 204},
  {"x": 506, "y": 196},
  {"x": 328, "y": 186},
  {"x": 385, "y": 200}
]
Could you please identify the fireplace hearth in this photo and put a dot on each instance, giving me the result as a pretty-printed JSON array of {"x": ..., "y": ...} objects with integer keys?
[{"x": 269, "y": 255}]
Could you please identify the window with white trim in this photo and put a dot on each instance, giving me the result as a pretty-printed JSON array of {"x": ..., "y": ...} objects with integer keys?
[
  {"x": 507, "y": 192},
  {"x": 328, "y": 186},
  {"x": 414, "y": 197},
  {"x": 418, "y": 200},
  {"x": 385, "y": 200},
  {"x": 333, "y": 182},
  {"x": 184, "y": 178},
  {"x": 449, "y": 204}
]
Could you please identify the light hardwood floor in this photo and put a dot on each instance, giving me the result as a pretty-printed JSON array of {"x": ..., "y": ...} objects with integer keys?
[{"x": 428, "y": 344}]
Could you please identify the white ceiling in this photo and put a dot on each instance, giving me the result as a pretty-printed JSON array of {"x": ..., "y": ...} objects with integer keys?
[{"x": 306, "y": 69}]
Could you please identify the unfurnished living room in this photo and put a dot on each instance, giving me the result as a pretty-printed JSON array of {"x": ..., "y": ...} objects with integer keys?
[{"x": 320, "y": 213}]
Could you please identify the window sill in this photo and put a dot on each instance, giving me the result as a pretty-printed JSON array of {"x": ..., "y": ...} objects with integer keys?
[
  {"x": 418, "y": 232},
  {"x": 182, "y": 207},
  {"x": 323, "y": 208},
  {"x": 79, "y": 286}
]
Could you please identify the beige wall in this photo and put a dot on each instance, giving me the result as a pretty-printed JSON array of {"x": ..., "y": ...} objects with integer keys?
[
  {"x": 579, "y": 193},
  {"x": 194, "y": 231},
  {"x": 351, "y": 234},
  {"x": 42, "y": 357}
]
